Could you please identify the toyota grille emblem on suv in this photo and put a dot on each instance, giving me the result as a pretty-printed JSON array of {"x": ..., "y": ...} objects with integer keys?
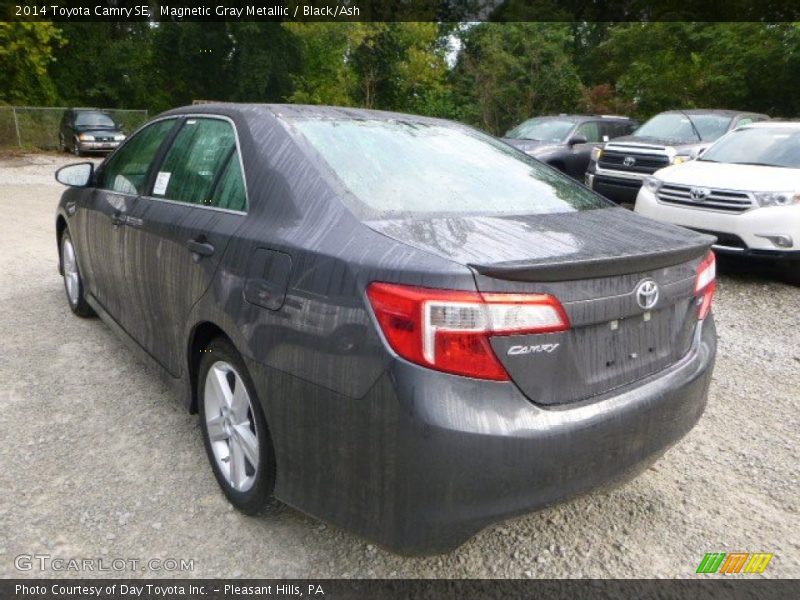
[
  {"x": 629, "y": 161},
  {"x": 647, "y": 294},
  {"x": 698, "y": 194}
]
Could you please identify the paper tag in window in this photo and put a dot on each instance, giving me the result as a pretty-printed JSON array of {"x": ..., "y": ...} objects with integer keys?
[{"x": 162, "y": 181}]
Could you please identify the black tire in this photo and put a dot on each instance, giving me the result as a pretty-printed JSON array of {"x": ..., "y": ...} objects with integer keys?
[
  {"x": 61, "y": 143},
  {"x": 790, "y": 272},
  {"x": 76, "y": 300},
  {"x": 258, "y": 498}
]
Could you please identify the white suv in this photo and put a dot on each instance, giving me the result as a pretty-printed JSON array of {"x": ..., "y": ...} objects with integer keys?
[{"x": 745, "y": 189}]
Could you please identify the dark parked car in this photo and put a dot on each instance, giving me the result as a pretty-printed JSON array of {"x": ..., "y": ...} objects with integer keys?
[
  {"x": 618, "y": 169},
  {"x": 566, "y": 141},
  {"x": 84, "y": 130},
  {"x": 394, "y": 323}
]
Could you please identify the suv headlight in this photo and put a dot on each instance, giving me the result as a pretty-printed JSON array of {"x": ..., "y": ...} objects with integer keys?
[
  {"x": 652, "y": 183},
  {"x": 119, "y": 137},
  {"x": 597, "y": 152},
  {"x": 777, "y": 198},
  {"x": 679, "y": 159},
  {"x": 85, "y": 137}
]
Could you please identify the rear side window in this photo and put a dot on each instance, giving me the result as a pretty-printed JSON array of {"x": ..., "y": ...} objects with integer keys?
[
  {"x": 589, "y": 130},
  {"x": 126, "y": 171},
  {"x": 197, "y": 156},
  {"x": 230, "y": 192}
]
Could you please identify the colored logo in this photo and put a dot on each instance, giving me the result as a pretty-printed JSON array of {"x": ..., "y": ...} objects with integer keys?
[{"x": 735, "y": 562}]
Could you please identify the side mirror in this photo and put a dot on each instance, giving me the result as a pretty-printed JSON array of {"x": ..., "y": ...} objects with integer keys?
[
  {"x": 577, "y": 139},
  {"x": 696, "y": 153},
  {"x": 75, "y": 175}
]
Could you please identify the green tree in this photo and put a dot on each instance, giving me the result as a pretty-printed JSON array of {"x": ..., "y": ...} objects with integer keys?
[
  {"x": 325, "y": 76},
  {"x": 26, "y": 52},
  {"x": 192, "y": 61},
  {"x": 105, "y": 64},
  {"x": 264, "y": 56},
  {"x": 511, "y": 71},
  {"x": 749, "y": 66},
  {"x": 393, "y": 66}
]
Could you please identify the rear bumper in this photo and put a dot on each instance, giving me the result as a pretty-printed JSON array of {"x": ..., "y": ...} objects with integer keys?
[
  {"x": 427, "y": 460},
  {"x": 750, "y": 233}
]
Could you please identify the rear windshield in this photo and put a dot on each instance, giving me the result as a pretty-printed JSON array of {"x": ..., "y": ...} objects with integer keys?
[
  {"x": 396, "y": 168},
  {"x": 773, "y": 147},
  {"x": 678, "y": 126},
  {"x": 94, "y": 119}
]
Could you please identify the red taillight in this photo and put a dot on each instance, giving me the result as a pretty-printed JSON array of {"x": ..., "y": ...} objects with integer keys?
[
  {"x": 449, "y": 330},
  {"x": 704, "y": 284}
]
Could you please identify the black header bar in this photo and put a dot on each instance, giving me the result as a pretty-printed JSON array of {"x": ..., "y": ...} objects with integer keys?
[{"x": 402, "y": 10}]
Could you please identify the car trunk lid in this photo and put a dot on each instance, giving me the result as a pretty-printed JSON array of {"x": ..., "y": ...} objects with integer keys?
[{"x": 596, "y": 263}]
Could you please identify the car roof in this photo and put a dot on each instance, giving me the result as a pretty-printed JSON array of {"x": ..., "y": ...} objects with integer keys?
[
  {"x": 713, "y": 111},
  {"x": 583, "y": 117},
  {"x": 290, "y": 111}
]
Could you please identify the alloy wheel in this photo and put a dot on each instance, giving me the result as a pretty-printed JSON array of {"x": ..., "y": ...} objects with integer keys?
[
  {"x": 231, "y": 426},
  {"x": 70, "y": 266}
]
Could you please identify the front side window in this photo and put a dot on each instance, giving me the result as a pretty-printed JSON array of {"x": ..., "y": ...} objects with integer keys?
[
  {"x": 126, "y": 171},
  {"x": 410, "y": 168},
  {"x": 196, "y": 158}
]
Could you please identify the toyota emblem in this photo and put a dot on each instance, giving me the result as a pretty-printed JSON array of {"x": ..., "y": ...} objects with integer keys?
[
  {"x": 698, "y": 194},
  {"x": 647, "y": 294},
  {"x": 629, "y": 161}
]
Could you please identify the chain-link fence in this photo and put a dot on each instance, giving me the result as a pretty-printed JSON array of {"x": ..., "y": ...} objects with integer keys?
[{"x": 37, "y": 126}]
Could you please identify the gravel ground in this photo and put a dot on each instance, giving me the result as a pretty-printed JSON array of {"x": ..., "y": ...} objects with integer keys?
[{"x": 99, "y": 460}]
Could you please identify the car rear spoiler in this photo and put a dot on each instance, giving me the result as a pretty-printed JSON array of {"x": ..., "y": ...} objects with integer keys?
[{"x": 605, "y": 266}]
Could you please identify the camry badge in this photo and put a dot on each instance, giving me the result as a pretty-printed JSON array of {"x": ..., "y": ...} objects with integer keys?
[
  {"x": 647, "y": 294},
  {"x": 535, "y": 349}
]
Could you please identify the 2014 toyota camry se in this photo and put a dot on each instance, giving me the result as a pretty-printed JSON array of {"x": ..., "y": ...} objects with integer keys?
[{"x": 394, "y": 323}]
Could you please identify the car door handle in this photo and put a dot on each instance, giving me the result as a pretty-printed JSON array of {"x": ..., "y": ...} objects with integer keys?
[
  {"x": 118, "y": 219},
  {"x": 200, "y": 248}
]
